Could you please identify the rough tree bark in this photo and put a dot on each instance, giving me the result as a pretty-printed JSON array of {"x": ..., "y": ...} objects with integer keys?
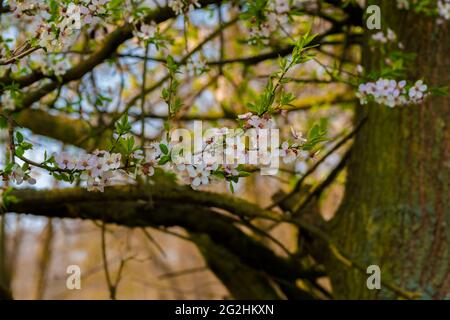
[
  {"x": 397, "y": 208},
  {"x": 5, "y": 274}
]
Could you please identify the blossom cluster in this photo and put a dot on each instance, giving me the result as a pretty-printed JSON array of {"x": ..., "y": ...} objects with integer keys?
[
  {"x": 254, "y": 121},
  {"x": 223, "y": 156},
  {"x": 59, "y": 67},
  {"x": 277, "y": 15},
  {"x": 196, "y": 66},
  {"x": 181, "y": 6},
  {"x": 403, "y": 4},
  {"x": 19, "y": 8},
  {"x": 290, "y": 152},
  {"x": 19, "y": 175},
  {"x": 195, "y": 174},
  {"x": 444, "y": 9},
  {"x": 146, "y": 31},
  {"x": 145, "y": 164},
  {"x": 237, "y": 153},
  {"x": 55, "y": 35},
  {"x": 380, "y": 36},
  {"x": 7, "y": 101},
  {"x": 97, "y": 169},
  {"x": 385, "y": 38},
  {"x": 392, "y": 93}
]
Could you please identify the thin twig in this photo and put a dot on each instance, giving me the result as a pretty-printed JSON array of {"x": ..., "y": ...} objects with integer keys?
[
  {"x": 311, "y": 170},
  {"x": 152, "y": 240},
  {"x": 112, "y": 293},
  {"x": 183, "y": 272}
]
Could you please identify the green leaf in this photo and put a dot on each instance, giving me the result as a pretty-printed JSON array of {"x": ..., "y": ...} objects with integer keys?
[
  {"x": 19, "y": 137},
  {"x": 171, "y": 64},
  {"x": 163, "y": 160},
  {"x": 244, "y": 174},
  {"x": 439, "y": 91},
  {"x": 65, "y": 177},
  {"x": 3, "y": 123},
  {"x": 20, "y": 151},
  {"x": 130, "y": 144},
  {"x": 163, "y": 148},
  {"x": 316, "y": 132},
  {"x": 26, "y": 145},
  {"x": 123, "y": 126},
  {"x": 7, "y": 198},
  {"x": 25, "y": 166},
  {"x": 252, "y": 107}
]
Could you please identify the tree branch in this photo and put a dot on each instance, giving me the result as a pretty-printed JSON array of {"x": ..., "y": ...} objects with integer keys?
[
  {"x": 170, "y": 206},
  {"x": 110, "y": 45}
]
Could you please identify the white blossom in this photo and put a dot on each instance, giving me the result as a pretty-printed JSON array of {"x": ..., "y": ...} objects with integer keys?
[
  {"x": 7, "y": 101},
  {"x": 444, "y": 9},
  {"x": 65, "y": 161},
  {"x": 86, "y": 162},
  {"x": 112, "y": 161},
  {"x": 179, "y": 6},
  {"x": 391, "y": 93},
  {"x": 137, "y": 155},
  {"x": 403, "y": 4},
  {"x": 97, "y": 6},
  {"x": 48, "y": 40},
  {"x": 61, "y": 67},
  {"x": 281, "y": 5},
  {"x": 264, "y": 122},
  {"x": 263, "y": 30},
  {"x": 98, "y": 167},
  {"x": 17, "y": 174},
  {"x": 381, "y": 37},
  {"x": 97, "y": 184},
  {"x": 235, "y": 149},
  {"x": 73, "y": 16},
  {"x": 264, "y": 157},
  {"x": 199, "y": 175},
  {"x": 298, "y": 136},
  {"x": 245, "y": 116},
  {"x": 231, "y": 169},
  {"x": 391, "y": 36},
  {"x": 148, "y": 168},
  {"x": 146, "y": 31},
  {"x": 154, "y": 150},
  {"x": 287, "y": 153},
  {"x": 418, "y": 91},
  {"x": 197, "y": 66}
]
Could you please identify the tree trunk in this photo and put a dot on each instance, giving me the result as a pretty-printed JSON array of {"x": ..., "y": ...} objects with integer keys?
[
  {"x": 5, "y": 275},
  {"x": 396, "y": 209},
  {"x": 44, "y": 259}
]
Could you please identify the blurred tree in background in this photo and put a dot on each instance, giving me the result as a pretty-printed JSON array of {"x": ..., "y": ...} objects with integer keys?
[{"x": 90, "y": 90}]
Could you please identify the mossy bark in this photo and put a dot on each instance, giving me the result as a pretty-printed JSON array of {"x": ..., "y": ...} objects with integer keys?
[
  {"x": 5, "y": 274},
  {"x": 396, "y": 209}
]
